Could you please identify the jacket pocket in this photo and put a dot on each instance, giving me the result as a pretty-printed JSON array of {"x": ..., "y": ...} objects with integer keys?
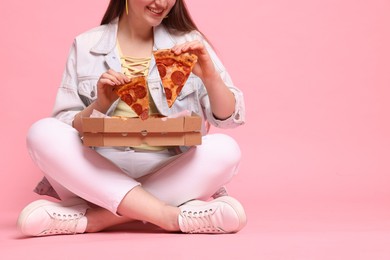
[
  {"x": 87, "y": 90},
  {"x": 188, "y": 97},
  {"x": 187, "y": 90}
]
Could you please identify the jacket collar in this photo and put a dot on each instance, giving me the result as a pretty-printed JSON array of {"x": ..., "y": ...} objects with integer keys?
[
  {"x": 162, "y": 38},
  {"x": 107, "y": 41}
]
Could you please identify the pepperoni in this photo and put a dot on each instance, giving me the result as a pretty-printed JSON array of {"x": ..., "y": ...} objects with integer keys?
[
  {"x": 137, "y": 108},
  {"x": 145, "y": 114},
  {"x": 139, "y": 91},
  {"x": 178, "y": 78},
  {"x": 162, "y": 70},
  {"x": 178, "y": 90},
  {"x": 127, "y": 99},
  {"x": 166, "y": 61},
  {"x": 168, "y": 93}
]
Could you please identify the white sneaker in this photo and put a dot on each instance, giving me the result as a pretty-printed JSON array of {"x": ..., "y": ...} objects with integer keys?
[
  {"x": 221, "y": 215},
  {"x": 44, "y": 218}
]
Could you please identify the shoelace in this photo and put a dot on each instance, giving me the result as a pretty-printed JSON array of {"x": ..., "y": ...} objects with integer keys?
[
  {"x": 63, "y": 224},
  {"x": 199, "y": 222}
]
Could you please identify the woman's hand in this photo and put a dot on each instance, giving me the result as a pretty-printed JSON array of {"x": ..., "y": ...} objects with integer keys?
[
  {"x": 106, "y": 88},
  {"x": 204, "y": 68},
  {"x": 221, "y": 98}
]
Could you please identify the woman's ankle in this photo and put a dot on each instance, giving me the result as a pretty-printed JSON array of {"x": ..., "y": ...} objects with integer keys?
[
  {"x": 170, "y": 221},
  {"x": 100, "y": 219}
]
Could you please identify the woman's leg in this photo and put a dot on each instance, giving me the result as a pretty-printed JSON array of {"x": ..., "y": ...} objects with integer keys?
[
  {"x": 78, "y": 171},
  {"x": 73, "y": 169},
  {"x": 198, "y": 173},
  {"x": 60, "y": 154}
]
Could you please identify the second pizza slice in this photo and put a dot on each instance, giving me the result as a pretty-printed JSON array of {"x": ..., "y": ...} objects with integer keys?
[
  {"x": 135, "y": 94},
  {"x": 174, "y": 71}
]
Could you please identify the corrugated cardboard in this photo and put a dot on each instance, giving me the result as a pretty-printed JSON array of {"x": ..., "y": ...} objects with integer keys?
[{"x": 134, "y": 131}]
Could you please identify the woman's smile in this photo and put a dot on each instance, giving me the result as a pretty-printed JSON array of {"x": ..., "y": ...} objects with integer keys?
[{"x": 156, "y": 11}]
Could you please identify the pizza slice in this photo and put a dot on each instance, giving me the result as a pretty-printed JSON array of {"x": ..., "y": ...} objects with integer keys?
[
  {"x": 135, "y": 94},
  {"x": 174, "y": 71}
]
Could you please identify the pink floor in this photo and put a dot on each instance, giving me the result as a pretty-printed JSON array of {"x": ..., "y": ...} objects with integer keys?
[{"x": 326, "y": 232}]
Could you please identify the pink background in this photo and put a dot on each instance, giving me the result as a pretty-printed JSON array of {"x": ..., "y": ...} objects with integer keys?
[{"x": 315, "y": 173}]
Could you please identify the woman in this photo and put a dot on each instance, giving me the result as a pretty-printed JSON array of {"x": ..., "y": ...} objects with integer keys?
[{"x": 102, "y": 187}]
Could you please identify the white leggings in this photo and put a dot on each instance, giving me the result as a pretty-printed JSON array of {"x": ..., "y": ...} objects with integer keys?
[{"x": 104, "y": 176}]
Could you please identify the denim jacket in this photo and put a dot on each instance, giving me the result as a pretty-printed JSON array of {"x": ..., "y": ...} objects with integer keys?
[{"x": 94, "y": 52}]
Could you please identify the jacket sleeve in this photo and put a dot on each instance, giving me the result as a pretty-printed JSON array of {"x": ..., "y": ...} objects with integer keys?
[
  {"x": 68, "y": 102},
  {"x": 238, "y": 116}
]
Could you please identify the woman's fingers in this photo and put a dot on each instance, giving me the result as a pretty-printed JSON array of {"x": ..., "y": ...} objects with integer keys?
[
  {"x": 192, "y": 46},
  {"x": 204, "y": 68},
  {"x": 113, "y": 78}
]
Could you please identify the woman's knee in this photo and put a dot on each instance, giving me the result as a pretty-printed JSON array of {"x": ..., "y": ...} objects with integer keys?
[
  {"x": 224, "y": 149},
  {"x": 44, "y": 132}
]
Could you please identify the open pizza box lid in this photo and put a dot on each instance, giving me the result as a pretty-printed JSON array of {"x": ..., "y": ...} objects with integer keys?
[{"x": 112, "y": 131}]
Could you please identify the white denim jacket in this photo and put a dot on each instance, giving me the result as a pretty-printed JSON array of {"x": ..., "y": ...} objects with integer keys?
[{"x": 94, "y": 52}]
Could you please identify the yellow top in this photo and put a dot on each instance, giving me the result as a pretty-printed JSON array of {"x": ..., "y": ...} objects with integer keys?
[{"x": 133, "y": 67}]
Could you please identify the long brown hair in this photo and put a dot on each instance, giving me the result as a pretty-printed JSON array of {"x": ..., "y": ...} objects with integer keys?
[{"x": 178, "y": 19}]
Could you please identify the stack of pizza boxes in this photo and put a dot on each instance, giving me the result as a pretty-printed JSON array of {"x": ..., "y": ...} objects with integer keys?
[{"x": 144, "y": 130}]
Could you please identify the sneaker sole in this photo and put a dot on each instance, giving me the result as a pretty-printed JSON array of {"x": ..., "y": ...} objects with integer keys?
[
  {"x": 236, "y": 205},
  {"x": 39, "y": 203}
]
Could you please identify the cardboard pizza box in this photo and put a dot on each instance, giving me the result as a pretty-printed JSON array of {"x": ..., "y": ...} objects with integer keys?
[{"x": 185, "y": 130}]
